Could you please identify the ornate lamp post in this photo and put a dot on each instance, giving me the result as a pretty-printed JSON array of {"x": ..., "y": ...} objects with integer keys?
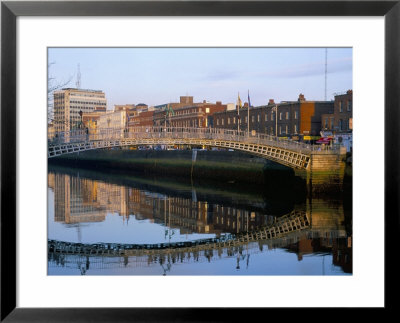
[
  {"x": 80, "y": 114},
  {"x": 275, "y": 108}
]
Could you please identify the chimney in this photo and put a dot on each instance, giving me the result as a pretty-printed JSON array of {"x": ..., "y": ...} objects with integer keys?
[
  {"x": 219, "y": 103},
  {"x": 271, "y": 102},
  {"x": 301, "y": 97},
  {"x": 204, "y": 101},
  {"x": 186, "y": 100}
]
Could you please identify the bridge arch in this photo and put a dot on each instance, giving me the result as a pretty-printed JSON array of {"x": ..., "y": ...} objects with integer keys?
[{"x": 286, "y": 152}]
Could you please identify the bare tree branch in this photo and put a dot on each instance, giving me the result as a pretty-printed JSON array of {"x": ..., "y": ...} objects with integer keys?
[{"x": 52, "y": 86}]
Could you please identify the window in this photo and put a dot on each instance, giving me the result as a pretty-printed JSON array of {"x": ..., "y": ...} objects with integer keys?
[
  {"x": 296, "y": 114},
  {"x": 295, "y": 128},
  {"x": 258, "y": 118},
  {"x": 346, "y": 124},
  {"x": 326, "y": 123},
  {"x": 234, "y": 120},
  {"x": 272, "y": 116},
  {"x": 245, "y": 119},
  {"x": 280, "y": 130},
  {"x": 332, "y": 122},
  {"x": 229, "y": 120},
  {"x": 252, "y": 119},
  {"x": 340, "y": 106},
  {"x": 222, "y": 122},
  {"x": 217, "y": 122},
  {"x": 287, "y": 129},
  {"x": 280, "y": 115},
  {"x": 349, "y": 105},
  {"x": 266, "y": 117},
  {"x": 287, "y": 115},
  {"x": 340, "y": 124}
]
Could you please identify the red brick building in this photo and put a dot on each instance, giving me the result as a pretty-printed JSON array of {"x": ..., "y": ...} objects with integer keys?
[
  {"x": 195, "y": 116},
  {"x": 343, "y": 112},
  {"x": 299, "y": 119},
  {"x": 341, "y": 120},
  {"x": 142, "y": 119},
  {"x": 186, "y": 113}
]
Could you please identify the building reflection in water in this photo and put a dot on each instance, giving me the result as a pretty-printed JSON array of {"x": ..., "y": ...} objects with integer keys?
[{"x": 83, "y": 200}]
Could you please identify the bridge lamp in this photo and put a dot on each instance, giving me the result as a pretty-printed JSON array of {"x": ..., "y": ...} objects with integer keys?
[
  {"x": 275, "y": 108},
  {"x": 80, "y": 113}
]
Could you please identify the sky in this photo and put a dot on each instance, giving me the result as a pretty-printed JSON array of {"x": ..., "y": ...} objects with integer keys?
[{"x": 160, "y": 75}]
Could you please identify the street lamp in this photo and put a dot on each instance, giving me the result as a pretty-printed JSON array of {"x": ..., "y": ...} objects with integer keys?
[
  {"x": 275, "y": 108},
  {"x": 248, "y": 119},
  {"x": 80, "y": 113}
]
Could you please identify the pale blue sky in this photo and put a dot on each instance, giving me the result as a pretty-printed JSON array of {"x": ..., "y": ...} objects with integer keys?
[{"x": 160, "y": 75}]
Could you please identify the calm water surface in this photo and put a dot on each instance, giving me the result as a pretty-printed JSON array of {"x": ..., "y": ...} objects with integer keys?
[{"x": 310, "y": 236}]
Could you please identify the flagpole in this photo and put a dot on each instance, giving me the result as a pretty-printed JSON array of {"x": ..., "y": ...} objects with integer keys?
[
  {"x": 238, "y": 117},
  {"x": 248, "y": 114}
]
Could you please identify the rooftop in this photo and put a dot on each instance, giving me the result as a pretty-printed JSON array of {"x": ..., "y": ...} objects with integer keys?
[{"x": 81, "y": 90}]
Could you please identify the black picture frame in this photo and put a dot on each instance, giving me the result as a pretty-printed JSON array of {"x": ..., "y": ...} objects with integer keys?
[{"x": 10, "y": 10}]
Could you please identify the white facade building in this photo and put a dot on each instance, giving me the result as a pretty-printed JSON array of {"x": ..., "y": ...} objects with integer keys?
[
  {"x": 69, "y": 102},
  {"x": 112, "y": 121}
]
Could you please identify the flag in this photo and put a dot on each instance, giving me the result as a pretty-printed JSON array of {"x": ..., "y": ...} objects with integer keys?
[
  {"x": 248, "y": 98},
  {"x": 239, "y": 101}
]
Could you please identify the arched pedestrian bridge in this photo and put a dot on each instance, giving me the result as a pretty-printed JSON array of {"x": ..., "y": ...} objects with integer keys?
[{"x": 297, "y": 155}]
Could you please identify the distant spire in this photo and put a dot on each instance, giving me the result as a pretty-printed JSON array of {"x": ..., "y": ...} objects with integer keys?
[{"x": 78, "y": 78}]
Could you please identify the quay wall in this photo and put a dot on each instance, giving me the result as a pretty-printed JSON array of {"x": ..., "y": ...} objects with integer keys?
[
  {"x": 326, "y": 173},
  {"x": 218, "y": 165}
]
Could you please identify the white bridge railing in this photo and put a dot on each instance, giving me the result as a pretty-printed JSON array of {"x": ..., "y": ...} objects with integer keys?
[{"x": 138, "y": 133}]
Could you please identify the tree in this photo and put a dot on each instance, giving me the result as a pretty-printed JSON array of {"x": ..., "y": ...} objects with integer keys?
[{"x": 53, "y": 85}]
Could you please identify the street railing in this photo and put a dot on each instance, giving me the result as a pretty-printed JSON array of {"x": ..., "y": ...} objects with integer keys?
[{"x": 137, "y": 133}]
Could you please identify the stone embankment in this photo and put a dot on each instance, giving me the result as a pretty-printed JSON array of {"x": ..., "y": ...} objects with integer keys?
[{"x": 326, "y": 173}]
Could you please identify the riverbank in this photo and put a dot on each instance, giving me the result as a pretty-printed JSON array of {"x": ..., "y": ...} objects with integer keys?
[{"x": 229, "y": 167}]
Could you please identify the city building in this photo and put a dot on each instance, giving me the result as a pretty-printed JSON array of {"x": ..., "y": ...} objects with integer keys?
[
  {"x": 163, "y": 112},
  {"x": 124, "y": 107},
  {"x": 71, "y": 103},
  {"x": 196, "y": 116},
  {"x": 90, "y": 119},
  {"x": 187, "y": 113},
  {"x": 141, "y": 107},
  {"x": 298, "y": 120},
  {"x": 341, "y": 120},
  {"x": 130, "y": 110},
  {"x": 133, "y": 110},
  {"x": 339, "y": 124},
  {"x": 343, "y": 112},
  {"x": 115, "y": 120},
  {"x": 143, "y": 119}
]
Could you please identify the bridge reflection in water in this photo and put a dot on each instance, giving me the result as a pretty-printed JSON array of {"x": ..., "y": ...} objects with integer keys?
[{"x": 233, "y": 231}]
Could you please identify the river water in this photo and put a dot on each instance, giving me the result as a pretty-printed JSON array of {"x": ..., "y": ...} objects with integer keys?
[{"x": 181, "y": 227}]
